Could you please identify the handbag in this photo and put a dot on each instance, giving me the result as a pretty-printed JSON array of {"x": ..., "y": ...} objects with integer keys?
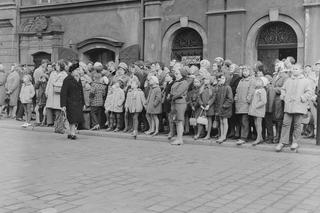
[
  {"x": 193, "y": 120},
  {"x": 202, "y": 119},
  {"x": 61, "y": 123}
]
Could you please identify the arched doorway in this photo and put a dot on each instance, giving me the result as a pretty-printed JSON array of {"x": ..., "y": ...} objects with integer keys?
[
  {"x": 100, "y": 55},
  {"x": 276, "y": 40},
  {"x": 187, "y": 46},
  {"x": 39, "y": 56}
]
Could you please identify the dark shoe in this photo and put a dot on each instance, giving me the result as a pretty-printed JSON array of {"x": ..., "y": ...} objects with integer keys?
[
  {"x": 73, "y": 137},
  {"x": 69, "y": 136}
]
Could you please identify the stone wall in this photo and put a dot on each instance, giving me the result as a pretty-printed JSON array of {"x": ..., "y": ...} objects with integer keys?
[{"x": 8, "y": 40}]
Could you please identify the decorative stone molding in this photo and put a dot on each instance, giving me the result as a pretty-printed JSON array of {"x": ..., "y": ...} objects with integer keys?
[
  {"x": 5, "y": 23},
  {"x": 172, "y": 31},
  {"x": 252, "y": 36},
  {"x": 41, "y": 25},
  {"x": 222, "y": 12}
]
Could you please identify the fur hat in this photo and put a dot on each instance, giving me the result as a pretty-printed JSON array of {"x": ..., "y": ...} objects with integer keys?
[{"x": 265, "y": 81}]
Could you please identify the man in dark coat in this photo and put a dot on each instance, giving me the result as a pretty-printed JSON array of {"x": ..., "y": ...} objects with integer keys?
[{"x": 72, "y": 99}]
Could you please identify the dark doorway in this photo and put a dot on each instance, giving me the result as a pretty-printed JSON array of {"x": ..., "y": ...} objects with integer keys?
[
  {"x": 39, "y": 56},
  {"x": 276, "y": 40},
  {"x": 187, "y": 46},
  {"x": 100, "y": 55}
]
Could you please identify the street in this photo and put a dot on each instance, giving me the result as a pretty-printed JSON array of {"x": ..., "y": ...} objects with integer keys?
[{"x": 45, "y": 172}]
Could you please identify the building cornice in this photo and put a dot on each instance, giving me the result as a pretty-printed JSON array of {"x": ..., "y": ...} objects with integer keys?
[
  {"x": 72, "y": 5},
  {"x": 222, "y": 12}
]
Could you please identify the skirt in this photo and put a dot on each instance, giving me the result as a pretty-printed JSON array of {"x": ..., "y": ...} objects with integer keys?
[{"x": 178, "y": 110}]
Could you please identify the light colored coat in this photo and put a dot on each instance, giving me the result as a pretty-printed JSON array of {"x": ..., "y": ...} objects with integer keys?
[
  {"x": 27, "y": 93},
  {"x": 53, "y": 100},
  {"x": 153, "y": 103},
  {"x": 257, "y": 107},
  {"x": 135, "y": 100},
  {"x": 296, "y": 93},
  {"x": 13, "y": 87},
  {"x": 3, "y": 79},
  {"x": 117, "y": 100},
  {"x": 244, "y": 94}
]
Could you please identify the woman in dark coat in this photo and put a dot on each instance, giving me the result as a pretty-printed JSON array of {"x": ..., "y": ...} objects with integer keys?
[
  {"x": 223, "y": 106},
  {"x": 72, "y": 99}
]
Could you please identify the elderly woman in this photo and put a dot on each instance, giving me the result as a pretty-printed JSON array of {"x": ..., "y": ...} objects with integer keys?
[
  {"x": 13, "y": 88},
  {"x": 53, "y": 91},
  {"x": 178, "y": 96},
  {"x": 72, "y": 100}
]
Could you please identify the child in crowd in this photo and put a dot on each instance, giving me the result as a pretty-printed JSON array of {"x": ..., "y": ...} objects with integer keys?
[
  {"x": 223, "y": 106},
  {"x": 41, "y": 98},
  {"x": 257, "y": 108},
  {"x": 26, "y": 94},
  {"x": 166, "y": 102},
  {"x": 116, "y": 106},
  {"x": 134, "y": 104},
  {"x": 193, "y": 100},
  {"x": 97, "y": 93},
  {"x": 206, "y": 100},
  {"x": 153, "y": 106}
]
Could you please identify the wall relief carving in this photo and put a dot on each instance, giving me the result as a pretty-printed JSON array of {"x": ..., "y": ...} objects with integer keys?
[{"x": 41, "y": 25}]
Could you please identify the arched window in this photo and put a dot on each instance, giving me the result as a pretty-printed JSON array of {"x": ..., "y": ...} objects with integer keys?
[
  {"x": 276, "y": 40},
  {"x": 187, "y": 46}
]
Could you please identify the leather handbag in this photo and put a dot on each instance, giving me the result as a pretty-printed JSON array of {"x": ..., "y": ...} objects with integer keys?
[{"x": 202, "y": 119}]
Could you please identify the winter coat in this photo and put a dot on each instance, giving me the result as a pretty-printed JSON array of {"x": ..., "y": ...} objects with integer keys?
[
  {"x": 153, "y": 102},
  {"x": 278, "y": 82},
  {"x": 243, "y": 95},
  {"x": 27, "y": 93},
  {"x": 271, "y": 94},
  {"x": 72, "y": 98},
  {"x": 53, "y": 98},
  {"x": 296, "y": 93},
  {"x": 37, "y": 74},
  {"x": 224, "y": 100},
  {"x": 117, "y": 99},
  {"x": 207, "y": 97},
  {"x": 109, "y": 99},
  {"x": 3, "y": 79},
  {"x": 41, "y": 98},
  {"x": 257, "y": 107},
  {"x": 135, "y": 100},
  {"x": 166, "y": 105},
  {"x": 13, "y": 87},
  {"x": 97, "y": 94},
  {"x": 193, "y": 101},
  {"x": 179, "y": 91}
]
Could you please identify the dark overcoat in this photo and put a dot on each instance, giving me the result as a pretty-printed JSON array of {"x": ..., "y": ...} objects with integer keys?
[
  {"x": 224, "y": 101},
  {"x": 278, "y": 83},
  {"x": 72, "y": 98}
]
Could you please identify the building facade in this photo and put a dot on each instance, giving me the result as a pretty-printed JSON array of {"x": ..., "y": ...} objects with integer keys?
[{"x": 160, "y": 30}]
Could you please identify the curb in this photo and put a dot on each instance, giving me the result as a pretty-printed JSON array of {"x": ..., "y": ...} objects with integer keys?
[{"x": 161, "y": 138}]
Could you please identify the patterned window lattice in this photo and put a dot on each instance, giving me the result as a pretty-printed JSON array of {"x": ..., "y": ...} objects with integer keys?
[
  {"x": 187, "y": 42},
  {"x": 277, "y": 33}
]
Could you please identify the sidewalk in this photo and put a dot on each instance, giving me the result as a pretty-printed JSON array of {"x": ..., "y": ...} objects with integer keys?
[{"x": 308, "y": 146}]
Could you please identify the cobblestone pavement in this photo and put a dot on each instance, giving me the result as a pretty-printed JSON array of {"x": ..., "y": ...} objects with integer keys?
[{"x": 43, "y": 172}]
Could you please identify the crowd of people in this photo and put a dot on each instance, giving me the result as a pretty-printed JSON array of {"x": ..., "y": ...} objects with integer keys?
[{"x": 210, "y": 101}]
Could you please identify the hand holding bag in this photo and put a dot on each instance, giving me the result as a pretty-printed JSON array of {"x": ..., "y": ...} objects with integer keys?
[
  {"x": 61, "y": 123},
  {"x": 193, "y": 120},
  {"x": 202, "y": 119}
]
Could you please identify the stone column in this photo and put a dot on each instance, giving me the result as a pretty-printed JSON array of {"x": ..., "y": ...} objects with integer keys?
[
  {"x": 312, "y": 31},
  {"x": 152, "y": 31}
]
